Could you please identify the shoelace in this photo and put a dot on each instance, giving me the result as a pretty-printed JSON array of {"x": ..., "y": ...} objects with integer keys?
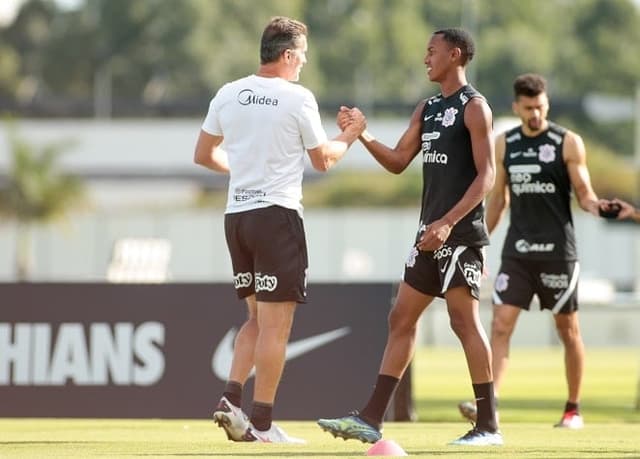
[{"x": 356, "y": 413}]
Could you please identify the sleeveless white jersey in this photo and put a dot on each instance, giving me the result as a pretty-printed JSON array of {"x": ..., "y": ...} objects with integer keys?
[{"x": 267, "y": 125}]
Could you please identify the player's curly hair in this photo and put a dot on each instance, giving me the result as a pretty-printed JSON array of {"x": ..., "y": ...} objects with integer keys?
[
  {"x": 529, "y": 85},
  {"x": 281, "y": 33},
  {"x": 460, "y": 39}
]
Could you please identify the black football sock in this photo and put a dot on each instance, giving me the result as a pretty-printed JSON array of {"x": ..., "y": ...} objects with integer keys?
[
  {"x": 377, "y": 405},
  {"x": 569, "y": 407},
  {"x": 261, "y": 416},
  {"x": 233, "y": 392},
  {"x": 486, "y": 403}
]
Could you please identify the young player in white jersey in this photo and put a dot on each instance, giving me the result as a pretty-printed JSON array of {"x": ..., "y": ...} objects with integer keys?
[{"x": 257, "y": 130}]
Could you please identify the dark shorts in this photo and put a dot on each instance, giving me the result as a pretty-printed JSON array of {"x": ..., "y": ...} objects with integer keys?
[
  {"x": 268, "y": 254},
  {"x": 555, "y": 282},
  {"x": 433, "y": 273}
]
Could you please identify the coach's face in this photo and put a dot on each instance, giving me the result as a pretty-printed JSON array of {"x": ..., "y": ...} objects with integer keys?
[{"x": 295, "y": 58}]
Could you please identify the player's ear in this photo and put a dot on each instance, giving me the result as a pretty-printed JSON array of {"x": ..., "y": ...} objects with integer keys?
[{"x": 456, "y": 53}]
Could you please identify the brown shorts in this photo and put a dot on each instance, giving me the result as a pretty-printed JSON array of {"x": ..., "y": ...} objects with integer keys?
[{"x": 268, "y": 253}]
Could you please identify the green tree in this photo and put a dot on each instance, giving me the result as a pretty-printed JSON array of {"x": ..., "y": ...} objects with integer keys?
[
  {"x": 36, "y": 192},
  {"x": 366, "y": 52}
]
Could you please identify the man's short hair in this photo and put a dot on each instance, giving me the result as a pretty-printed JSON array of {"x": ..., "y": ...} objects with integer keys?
[
  {"x": 460, "y": 39},
  {"x": 281, "y": 33},
  {"x": 529, "y": 85}
]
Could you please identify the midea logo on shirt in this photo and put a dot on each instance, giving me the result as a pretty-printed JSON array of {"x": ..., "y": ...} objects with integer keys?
[{"x": 248, "y": 97}]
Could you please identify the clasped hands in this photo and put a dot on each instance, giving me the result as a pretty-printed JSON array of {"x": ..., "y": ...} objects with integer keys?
[{"x": 351, "y": 119}]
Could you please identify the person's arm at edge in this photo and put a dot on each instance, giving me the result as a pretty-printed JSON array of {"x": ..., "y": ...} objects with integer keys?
[
  {"x": 208, "y": 153},
  {"x": 627, "y": 210}
]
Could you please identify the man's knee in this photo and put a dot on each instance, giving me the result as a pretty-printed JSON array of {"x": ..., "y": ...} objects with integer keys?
[
  {"x": 461, "y": 324},
  {"x": 500, "y": 329},
  {"x": 568, "y": 327},
  {"x": 400, "y": 323},
  {"x": 569, "y": 334}
]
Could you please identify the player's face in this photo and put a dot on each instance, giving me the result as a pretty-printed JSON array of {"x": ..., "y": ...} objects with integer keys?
[
  {"x": 296, "y": 58},
  {"x": 438, "y": 58},
  {"x": 532, "y": 111}
]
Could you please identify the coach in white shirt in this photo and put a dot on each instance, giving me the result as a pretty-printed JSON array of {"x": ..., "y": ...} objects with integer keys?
[{"x": 257, "y": 130}]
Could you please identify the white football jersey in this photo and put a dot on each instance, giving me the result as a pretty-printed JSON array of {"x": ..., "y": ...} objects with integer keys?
[{"x": 267, "y": 125}]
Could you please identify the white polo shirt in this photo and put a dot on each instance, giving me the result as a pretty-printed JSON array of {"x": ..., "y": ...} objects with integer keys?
[{"x": 267, "y": 125}]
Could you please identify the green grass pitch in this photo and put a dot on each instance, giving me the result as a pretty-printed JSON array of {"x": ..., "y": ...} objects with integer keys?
[{"x": 530, "y": 403}]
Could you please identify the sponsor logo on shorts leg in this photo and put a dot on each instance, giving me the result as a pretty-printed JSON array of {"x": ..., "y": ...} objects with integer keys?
[
  {"x": 443, "y": 252},
  {"x": 411, "y": 259},
  {"x": 242, "y": 280},
  {"x": 266, "y": 283},
  {"x": 555, "y": 281},
  {"x": 502, "y": 282},
  {"x": 472, "y": 274}
]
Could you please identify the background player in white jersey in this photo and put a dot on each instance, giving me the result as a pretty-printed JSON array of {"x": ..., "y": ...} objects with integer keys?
[
  {"x": 266, "y": 123},
  {"x": 537, "y": 165},
  {"x": 453, "y": 132}
]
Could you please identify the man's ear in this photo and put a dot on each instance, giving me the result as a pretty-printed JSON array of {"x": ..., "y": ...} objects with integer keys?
[{"x": 456, "y": 53}]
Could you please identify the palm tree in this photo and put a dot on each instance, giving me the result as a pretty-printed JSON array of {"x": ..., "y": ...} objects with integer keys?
[{"x": 35, "y": 191}]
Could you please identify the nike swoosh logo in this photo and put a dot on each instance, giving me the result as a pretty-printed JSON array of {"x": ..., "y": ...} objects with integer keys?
[
  {"x": 515, "y": 155},
  {"x": 427, "y": 118},
  {"x": 223, "y": 355}
]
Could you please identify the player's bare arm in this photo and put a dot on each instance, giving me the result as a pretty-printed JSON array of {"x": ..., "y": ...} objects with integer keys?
[
  {"x": 208, "y": 153},
  {"x": 575, "y": 157},
  {"x": 478, "y": 119},
  {"x": 498, "y": 199},
  {"x": 397, "y": 159}
]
